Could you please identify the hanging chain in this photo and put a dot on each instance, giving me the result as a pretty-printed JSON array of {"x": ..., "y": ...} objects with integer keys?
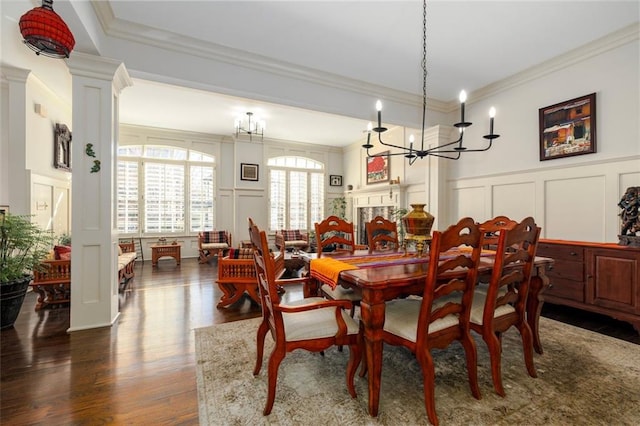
[{"x": 424, "y": 69}]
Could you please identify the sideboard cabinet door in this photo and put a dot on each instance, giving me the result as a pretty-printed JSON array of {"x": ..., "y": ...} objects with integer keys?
[{"x": 613, "y": 278}]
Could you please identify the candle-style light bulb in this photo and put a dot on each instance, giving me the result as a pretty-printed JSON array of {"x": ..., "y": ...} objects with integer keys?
[
  {"x": 369, "y": 129},
  {"x": 379, "y": 109},
  {"x": 492, "y": 114},
  {"x": 463, "y": 99}
]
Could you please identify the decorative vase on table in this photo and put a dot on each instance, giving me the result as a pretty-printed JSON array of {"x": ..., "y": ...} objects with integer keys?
[{"x": 418, "y": 224}]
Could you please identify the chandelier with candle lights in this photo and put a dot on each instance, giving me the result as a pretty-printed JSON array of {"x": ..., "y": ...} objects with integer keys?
[
  {"x": 251, "y": 126},
  {"x": 450, "y": 150}
]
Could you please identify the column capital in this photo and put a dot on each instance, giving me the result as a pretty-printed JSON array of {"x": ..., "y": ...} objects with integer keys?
[
  {"x": 13, "y": 74},
  {"x": 92, "y": 66}
]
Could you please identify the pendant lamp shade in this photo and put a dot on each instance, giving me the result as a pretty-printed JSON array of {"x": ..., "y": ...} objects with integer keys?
[{"x": 45, "y": 32}]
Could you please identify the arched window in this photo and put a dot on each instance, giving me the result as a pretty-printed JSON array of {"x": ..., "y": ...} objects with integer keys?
[
  {"x": 296, "y": 193},
  {"x": 164, "y": 190}
]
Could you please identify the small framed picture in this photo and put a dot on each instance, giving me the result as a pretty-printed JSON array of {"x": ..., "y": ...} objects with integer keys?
[
  {"x": 378, "y": 168},
  {"x": 335, "y": 180},
  {"x": 249, "y": 172},
  {"x": 62, "y": 148}
]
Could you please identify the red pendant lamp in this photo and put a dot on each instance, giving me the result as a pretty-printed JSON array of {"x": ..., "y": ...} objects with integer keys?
[{"x": 45, "y": 32}]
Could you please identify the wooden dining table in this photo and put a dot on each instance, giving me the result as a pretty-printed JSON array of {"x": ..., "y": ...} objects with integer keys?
[{"x": 386, "y": 280}]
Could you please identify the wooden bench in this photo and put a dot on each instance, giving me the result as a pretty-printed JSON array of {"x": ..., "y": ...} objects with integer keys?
[
  {"x": 238, "y": 276},
  {"x": 53, "y": 281}
]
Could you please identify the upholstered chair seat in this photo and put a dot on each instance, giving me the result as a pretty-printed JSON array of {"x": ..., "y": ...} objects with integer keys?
[{"x": 314, "y": 324}]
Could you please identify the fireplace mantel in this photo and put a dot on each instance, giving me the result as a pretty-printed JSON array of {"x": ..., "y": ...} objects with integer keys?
[{"x": 365, "y": 201}]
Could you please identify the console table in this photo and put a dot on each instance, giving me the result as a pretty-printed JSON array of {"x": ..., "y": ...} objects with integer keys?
[
  {"x": 595, "y": 277},
  {"x": 169, "y": 250}
]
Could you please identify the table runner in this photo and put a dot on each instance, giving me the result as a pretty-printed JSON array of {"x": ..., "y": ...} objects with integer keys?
[{"x": 328, "y": 269}]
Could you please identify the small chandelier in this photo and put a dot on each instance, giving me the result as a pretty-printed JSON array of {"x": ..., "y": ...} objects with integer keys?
[
  {"x": 45, "y": 32},
  {"x": 450, "y": 150},
  {"x": 250, "y": 126}
]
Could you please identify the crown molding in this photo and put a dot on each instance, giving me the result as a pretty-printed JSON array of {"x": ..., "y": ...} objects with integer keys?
[
  {"x": 167, "y": 40},
  {"x": 137, "y": 33},
  {"x": 609, "y": 42}
]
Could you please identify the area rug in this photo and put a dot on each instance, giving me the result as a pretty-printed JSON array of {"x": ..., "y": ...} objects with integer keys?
[{"x": 584, "y": 378}]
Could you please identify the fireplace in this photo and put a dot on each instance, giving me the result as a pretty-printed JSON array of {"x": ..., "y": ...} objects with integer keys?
[{"x": 366, "y": 214}]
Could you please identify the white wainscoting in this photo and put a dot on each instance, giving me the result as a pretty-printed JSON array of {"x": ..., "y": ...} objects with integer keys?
[
  {"x": 249, "y": 203},
  {"x": 569, "y": 201}
]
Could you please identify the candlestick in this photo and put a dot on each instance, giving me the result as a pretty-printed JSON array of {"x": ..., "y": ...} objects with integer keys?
[
  {"x": 369, "y": 128},
  {"x": 379, "y": 108},
  {"x": 492, "y": 114},
  {"x": 463, "y": 99}
]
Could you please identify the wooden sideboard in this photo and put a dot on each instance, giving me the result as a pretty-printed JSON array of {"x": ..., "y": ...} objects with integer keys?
[{"x": 602, "y": 278}]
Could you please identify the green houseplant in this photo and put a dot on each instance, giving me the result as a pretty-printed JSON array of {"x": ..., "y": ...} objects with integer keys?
[
  {"x": 339, "y": 207},
  {"x": 396, "y": 215},
  {"x": 23, "y": 246}
]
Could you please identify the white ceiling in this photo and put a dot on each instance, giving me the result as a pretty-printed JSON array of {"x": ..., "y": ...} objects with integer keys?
[{"x": 470, "y": 44}]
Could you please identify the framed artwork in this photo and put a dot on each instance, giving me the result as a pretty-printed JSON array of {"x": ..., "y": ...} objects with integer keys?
[
  {"x": 378, "y": 168},
  {"x": 62, "y": 147},
  {"x": 248, "y": 171},
  {"x": 335, "y": 180},
  {"x": 568, "y": 128}
]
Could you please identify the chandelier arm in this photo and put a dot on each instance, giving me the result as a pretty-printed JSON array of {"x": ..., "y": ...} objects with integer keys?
[
  {"x": 474, "y": 150},
  {"x": 436, "y": 148},
  {"x": 465, "y": 150},
  {"x": 385, "y": 154},
  {"x": 438, "y": 154},
  {"x": 390, "y": 144}
]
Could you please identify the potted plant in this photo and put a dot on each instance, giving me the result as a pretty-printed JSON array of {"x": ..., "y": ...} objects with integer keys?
[
  {"x": 339, "y": 207},
  {"x": 397, "y": 215},
  {"x": 64, "y": 239},
  {"x": 23, "y": 246}
]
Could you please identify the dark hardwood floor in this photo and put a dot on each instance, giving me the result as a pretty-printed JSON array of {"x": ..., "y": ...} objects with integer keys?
[{"x": 141, "y": 370}]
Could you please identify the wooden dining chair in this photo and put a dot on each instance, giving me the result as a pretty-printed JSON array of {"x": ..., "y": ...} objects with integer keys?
[
  {"x": 503, "y": 304},
  {"x": 442, "y": 316},
  {"x": 492, "y": 227},
  {"x": 313, "y": 324},
  {"x": 337, "y": 233},
  {"x": 382, "y": 235},
  {"x": 491, "y": 233}
]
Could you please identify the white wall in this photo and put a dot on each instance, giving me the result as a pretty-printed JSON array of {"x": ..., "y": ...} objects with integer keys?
[
  {"x": 572, "y": 198},
  {"x": 609, "y": 68}
]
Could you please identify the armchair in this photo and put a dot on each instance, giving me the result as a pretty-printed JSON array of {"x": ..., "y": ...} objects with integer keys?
[
  {"x": 313, "y": 324},
  {"x": 291, "y": 238},
  {"x": 213, "y": 243}
]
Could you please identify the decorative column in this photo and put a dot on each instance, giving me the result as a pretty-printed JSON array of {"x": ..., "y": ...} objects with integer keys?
[
  {"x": 19, "y": 189},
  {"x": 97, "y": 83}
]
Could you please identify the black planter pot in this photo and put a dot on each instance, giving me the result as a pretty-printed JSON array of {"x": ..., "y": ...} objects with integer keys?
[{"x": 11, "y": 298}]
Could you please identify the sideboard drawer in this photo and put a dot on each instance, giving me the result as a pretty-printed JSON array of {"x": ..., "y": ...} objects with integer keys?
[
  {"x": 561, "y": 252},
  {"x": 566, "y": 270},
  {"x": 567, "y": 289}
]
